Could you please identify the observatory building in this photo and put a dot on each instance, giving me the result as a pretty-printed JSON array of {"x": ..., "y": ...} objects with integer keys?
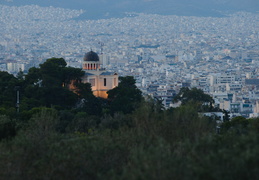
[{"x": 100, "y": 79}]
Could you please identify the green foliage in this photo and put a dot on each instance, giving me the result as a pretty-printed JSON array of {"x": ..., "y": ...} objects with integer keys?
[
  {"x": 64, "y": 121},
  {"x": 52, "y": 72},
  {"x": 10, "y": 112},
  {"x": 151, "y": 162},
  {"x": 156, "y": 144},
  {"x": 187, "y": 118},
  {"x": 254, "y": 125},
  {"x": 204, "y": 101},
  {"x": 83, "y": 123},
  {"x": 38, "y": 152},
  {"x": 209, "y": 158},
  {"x": 238, "y": 152},
  {"x": 7, "y": 90},
  {"x": 124, "y": 137},
  {"x": 119, "y": 120},
  {"x": 89, "y": 103},
  {"x": 84, "y": 90},
  {"x": 7, "y": 128},
  {"x": 42, "y": 123},
  {"x": 71, "y": 75},
  {"x": 48, "y": 85},
  {"x": 125, "y": 97},
  {"x": 148, "y": 119},
  {"x": 172, "y": 125},
  {"x": 238, "y": 125},
  {"x": 33, "y": 77}
]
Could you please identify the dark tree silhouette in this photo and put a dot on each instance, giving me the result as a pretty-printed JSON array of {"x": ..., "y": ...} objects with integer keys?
[
  {"x": 126, "y": 97},
  {"x": 196, "y": 96}
]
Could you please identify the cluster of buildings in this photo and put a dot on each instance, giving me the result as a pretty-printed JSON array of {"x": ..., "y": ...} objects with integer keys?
[
  {"x": 232, "y": 82},
  {"x": 163, "y": 53}
]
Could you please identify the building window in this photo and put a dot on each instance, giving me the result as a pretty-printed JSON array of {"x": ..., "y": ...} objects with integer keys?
[
  {"x": 92, "y": 82},
  {"x": 104, "y": 81}
]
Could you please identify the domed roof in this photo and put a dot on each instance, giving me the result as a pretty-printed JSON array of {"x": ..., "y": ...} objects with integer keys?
[{"x": 91, "y": 56}]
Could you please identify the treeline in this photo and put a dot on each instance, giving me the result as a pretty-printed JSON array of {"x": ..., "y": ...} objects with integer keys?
[{"x": 60, "y": 134}]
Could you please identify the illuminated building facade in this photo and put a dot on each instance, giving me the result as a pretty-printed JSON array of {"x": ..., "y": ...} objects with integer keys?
[{"x": 100, "y": 79}]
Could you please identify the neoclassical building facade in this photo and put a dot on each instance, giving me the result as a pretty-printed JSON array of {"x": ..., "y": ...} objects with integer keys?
[{"x": 100, "y": 79}]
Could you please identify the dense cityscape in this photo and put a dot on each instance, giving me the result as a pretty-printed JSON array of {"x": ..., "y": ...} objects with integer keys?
[
  {"x": 163, "y": 53},
  {"x": 87, "y": 95}
]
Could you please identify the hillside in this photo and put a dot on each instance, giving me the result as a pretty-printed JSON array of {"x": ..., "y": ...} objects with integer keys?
[{"x": 96, "y": 9}]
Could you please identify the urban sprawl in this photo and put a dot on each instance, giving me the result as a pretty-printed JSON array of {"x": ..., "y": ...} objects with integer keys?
[{"x": 163, "y": 53}]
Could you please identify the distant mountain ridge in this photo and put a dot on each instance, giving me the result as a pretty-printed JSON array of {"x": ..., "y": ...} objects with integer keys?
[{"x": 97, "y": 9}]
